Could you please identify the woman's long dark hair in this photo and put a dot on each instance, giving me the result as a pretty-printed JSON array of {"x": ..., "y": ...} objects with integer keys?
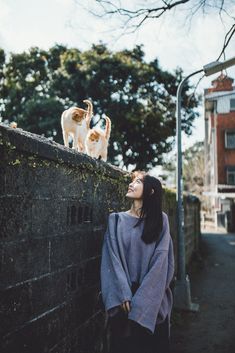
[{"x": 151, "y": 211}]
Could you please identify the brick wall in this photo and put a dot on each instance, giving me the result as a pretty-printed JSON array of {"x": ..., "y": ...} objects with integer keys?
[
  {"x": 54, "y": 206},
  {"x": 226, "y": 157}
]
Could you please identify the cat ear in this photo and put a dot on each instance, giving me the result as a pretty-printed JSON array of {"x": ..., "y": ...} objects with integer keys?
[{"x": 152, "y": 192}]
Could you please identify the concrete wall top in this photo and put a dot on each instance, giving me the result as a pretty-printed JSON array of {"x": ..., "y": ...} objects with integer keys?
[{"x": 43, "y": 147}]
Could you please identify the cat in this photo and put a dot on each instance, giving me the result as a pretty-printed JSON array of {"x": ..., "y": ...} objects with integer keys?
[
  {"x": 76, "y": 123},
  {"x": 97, "y": 141},
  {"x": 13, "y": 125}
]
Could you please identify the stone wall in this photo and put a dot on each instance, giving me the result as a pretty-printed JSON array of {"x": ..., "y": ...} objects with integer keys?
[
  {"x": 54, "y": 205},
  {"x": 192, "y": 228}
]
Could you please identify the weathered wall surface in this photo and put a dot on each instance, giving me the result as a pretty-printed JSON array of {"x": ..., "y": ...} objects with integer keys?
[
  {"x": 54, "y": 205},
  {"x": 192, "y": 229}
]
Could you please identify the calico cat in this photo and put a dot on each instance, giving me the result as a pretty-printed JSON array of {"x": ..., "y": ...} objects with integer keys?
[
  {"x": 76, "y": 123},
  {"x": 97, "y": 141}
]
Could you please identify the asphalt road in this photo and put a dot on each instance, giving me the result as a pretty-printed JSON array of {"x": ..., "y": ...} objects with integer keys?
[{"x": 212, "y": 329}]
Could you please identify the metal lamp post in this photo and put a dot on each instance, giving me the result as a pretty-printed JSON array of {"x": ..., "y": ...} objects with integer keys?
[{"x": 182, "y": 294}]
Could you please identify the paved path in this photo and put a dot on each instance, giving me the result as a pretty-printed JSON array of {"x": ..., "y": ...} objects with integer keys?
[{"x": 212, "y": 329}]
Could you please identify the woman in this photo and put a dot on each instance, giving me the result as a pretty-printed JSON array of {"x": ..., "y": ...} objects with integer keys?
[{"x": 136, "y": 270}]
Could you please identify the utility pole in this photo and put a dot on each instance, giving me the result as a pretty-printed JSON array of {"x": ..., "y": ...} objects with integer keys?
[{"x": 182, "y": 293}]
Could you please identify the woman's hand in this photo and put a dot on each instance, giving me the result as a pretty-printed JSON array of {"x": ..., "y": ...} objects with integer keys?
[{"x": 126, "y": 307}]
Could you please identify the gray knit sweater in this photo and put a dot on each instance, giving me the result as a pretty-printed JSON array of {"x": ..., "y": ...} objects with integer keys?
[{"x": 127, "y": 259}]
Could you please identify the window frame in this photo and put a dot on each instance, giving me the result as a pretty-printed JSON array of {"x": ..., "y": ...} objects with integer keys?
[
  {"x": 232, "y": 109},
  {"x": 226, "y": 139},
  {"x": 231, "y": 171}
]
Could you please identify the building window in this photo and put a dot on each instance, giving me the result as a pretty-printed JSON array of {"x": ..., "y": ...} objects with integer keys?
[
  {"x": 232, "y": 104},
  {"x": 231, "y": 175},
  {"x": 230, "y": 139}
]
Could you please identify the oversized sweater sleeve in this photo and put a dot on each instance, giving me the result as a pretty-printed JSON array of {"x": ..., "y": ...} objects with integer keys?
[
  {"x": 114, "y": 284},
  {"x": 146, "y": 302}
]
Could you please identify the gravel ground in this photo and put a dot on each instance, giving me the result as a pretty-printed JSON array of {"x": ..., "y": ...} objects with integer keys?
[{"x": 212, "y": 278}]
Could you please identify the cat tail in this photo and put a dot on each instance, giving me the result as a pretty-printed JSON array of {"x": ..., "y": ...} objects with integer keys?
[
  {"x": 107, "y": 128},
  {"x": 89, "y": 112}
]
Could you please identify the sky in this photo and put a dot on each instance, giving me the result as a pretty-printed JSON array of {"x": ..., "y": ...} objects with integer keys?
[{"x": 190, "y": 45}]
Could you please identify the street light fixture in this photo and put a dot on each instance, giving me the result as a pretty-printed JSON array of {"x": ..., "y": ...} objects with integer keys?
[
  {"x": 217, "y": 66},
  {"x": 182, "y": 294}
]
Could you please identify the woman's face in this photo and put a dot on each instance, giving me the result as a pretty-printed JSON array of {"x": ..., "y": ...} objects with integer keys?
[{"x": 136, "y": 187}]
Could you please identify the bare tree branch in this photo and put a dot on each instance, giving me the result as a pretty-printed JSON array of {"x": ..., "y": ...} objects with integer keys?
[
  {"x": 145, "y": 13},
  {"x": 195, "y": 88},
  {"x": 221, "y": 6},
  {"x": 227, "y": 39},
  {"x": 135, "y": 18}
]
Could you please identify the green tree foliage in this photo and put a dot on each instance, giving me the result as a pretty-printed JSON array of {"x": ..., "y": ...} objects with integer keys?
[
  {"x": 139, "y": 97},
  {"x": 193, "y": 169}
]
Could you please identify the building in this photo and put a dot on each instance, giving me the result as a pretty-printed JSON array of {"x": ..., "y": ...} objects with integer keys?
[{"x": 220, "y": 151}]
